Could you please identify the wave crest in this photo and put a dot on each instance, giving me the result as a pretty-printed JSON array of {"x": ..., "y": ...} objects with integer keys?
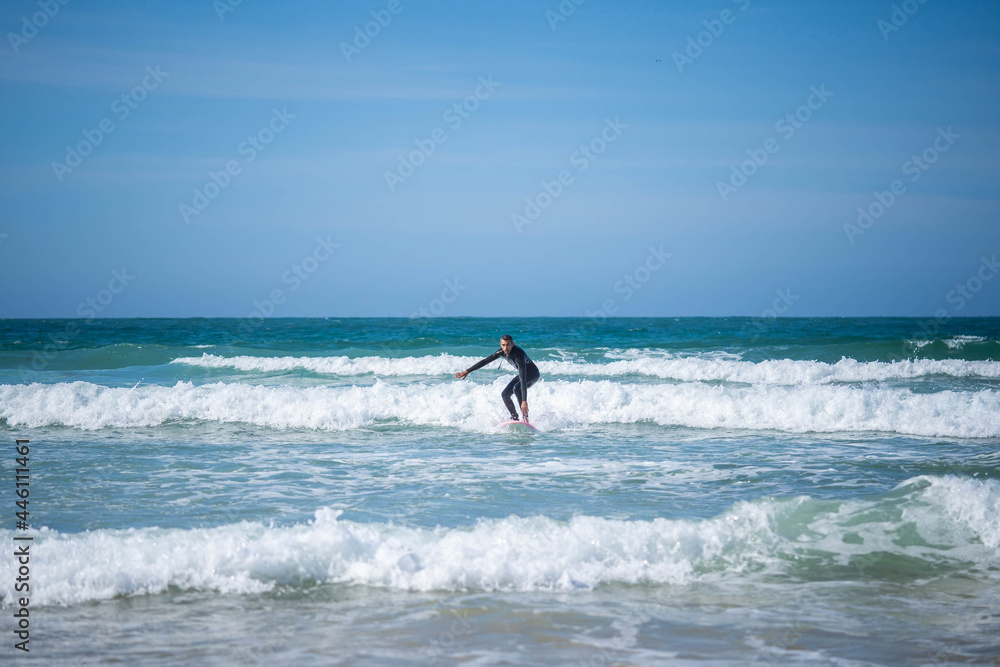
[
  {"x": 556, "y": 404},
  {"x": 937, "y": 525},
  {"x": 700, "y": 368}
]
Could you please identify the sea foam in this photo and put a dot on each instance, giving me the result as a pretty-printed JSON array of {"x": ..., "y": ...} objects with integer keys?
[
  {"x": 705, "y": 368},
  {"x": 938, "y": 525},
  {"x": 557, "y": 404}
]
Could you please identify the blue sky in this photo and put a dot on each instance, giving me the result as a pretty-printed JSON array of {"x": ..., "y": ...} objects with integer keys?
[{"x": 680, "y": 128}]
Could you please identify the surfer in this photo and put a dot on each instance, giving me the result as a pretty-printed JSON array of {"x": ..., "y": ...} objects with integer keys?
[{"x": 527, "y": 374}]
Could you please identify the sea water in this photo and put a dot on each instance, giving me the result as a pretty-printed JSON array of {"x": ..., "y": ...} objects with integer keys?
[{"x": 322, "y": 491}]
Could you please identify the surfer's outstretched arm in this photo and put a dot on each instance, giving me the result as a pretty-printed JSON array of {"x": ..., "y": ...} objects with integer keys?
[{"x": 479, "y": 364}]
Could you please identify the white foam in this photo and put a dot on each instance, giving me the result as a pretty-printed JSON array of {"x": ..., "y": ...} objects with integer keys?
[
  {"x": 476, "y": 407},
  {"x": 443, "y": 364},
  {"x": 767, "y": 537},
  {"x": 508, "y": 554},
  {"x": 780, "y": 371},
  {"x": 699, "y": 368},
  {"x": 927, "y": 518},
  {"x": 967, "y": 505},
  {"x": 958, "y": 342}
]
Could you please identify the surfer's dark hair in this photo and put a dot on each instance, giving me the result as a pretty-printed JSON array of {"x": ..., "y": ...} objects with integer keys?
[{"x": 507, "y": 338}]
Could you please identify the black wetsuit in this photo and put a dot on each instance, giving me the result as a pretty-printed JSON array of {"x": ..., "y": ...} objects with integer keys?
[{"x": 527, "y": 375}]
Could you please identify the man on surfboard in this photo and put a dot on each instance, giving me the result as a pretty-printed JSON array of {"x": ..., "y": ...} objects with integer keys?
[{"x": 527, "y": 374}]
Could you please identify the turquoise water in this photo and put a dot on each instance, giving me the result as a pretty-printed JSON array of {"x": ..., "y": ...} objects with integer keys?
[{"x": 322, "y": 491}]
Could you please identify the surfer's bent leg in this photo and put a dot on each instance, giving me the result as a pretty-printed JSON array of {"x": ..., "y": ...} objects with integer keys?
[
  {"x": 516, "y": 384},
  {"x": 512, "y": 386}
]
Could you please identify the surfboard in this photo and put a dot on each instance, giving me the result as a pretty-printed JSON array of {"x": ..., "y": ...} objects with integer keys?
[{"x": 517, "y": 426}]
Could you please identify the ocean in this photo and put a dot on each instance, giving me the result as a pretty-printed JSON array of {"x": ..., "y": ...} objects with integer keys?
[{"x": 699, "y": 491}]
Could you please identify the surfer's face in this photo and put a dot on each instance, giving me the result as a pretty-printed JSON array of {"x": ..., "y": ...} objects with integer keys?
[{"x": 505, "y": 345}]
